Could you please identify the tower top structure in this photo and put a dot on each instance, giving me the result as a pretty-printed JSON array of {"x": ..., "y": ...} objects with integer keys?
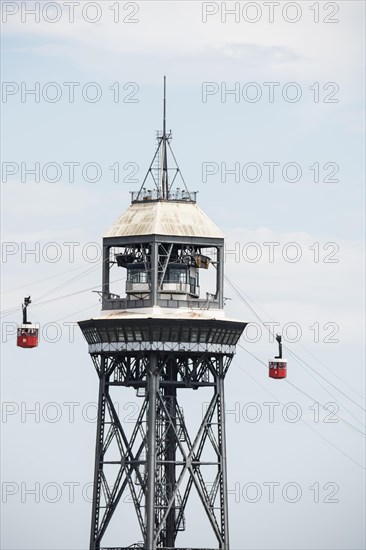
[{"x": 164, "y": 241}]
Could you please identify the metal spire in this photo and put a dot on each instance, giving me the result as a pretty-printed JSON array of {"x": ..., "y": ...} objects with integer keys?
[
  {"x": 158, "y": 170},
  {"x": 164, "y": 163},
  {"x": 164, "y": 108}
]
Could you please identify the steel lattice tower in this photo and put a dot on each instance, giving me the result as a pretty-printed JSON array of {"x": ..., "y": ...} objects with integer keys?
[{"x": 161, "y": 338}]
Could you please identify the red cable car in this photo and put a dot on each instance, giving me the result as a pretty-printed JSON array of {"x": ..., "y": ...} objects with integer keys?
[
  {"x": 27, "y": 334},
  {"x": 278, "y": 365}
]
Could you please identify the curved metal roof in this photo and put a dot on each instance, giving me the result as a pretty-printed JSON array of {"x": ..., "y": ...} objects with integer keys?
[{"x": 176, "y": 218}]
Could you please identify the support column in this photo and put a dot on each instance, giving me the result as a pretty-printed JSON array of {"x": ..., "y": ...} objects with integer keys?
[
  {"x": 152, "y": 389},
  {"x": 222, "y": 448},
  {"x": 220, "y": 276},
  {"x": 98, "y": 465},
  {"x": 105, "y": 274},
  {"x": 170, "y": 395},
  {"x": 154, "y": 273}
]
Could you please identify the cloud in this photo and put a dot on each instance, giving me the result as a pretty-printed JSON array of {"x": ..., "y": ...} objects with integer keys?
[
  {"x": 171, "y": 33},
  {"x": 266, "y": 56}
]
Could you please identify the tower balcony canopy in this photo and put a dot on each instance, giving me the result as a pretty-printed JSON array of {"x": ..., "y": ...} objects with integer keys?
[{"x": 179, "y": 218}]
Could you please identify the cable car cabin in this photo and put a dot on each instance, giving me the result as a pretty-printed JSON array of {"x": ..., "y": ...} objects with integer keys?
[
  {"x": 27, "y": 336},
  {"x": 277, "y": 368}
]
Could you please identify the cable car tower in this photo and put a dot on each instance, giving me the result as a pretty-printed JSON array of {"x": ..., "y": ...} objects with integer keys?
[{"x": 162, "y": 339}]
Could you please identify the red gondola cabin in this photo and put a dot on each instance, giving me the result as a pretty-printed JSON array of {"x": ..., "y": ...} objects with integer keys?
[
  {"x": 277, "y": 368},
  {"x": 278, "y": 365},
  {"x": 27, "y": 334}
]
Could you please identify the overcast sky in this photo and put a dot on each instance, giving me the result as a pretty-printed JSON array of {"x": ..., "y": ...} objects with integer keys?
[{"x": 266, "y": 109}]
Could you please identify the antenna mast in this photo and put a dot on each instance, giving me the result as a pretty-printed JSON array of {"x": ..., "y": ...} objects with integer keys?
[
  {"x": 164, "y": 108},
  {"x": 164, "y": 161},
  {"x": 158, "y": 170}
]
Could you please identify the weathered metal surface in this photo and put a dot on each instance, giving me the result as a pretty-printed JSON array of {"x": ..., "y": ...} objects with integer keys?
[{"x": 164, "y": 218}]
